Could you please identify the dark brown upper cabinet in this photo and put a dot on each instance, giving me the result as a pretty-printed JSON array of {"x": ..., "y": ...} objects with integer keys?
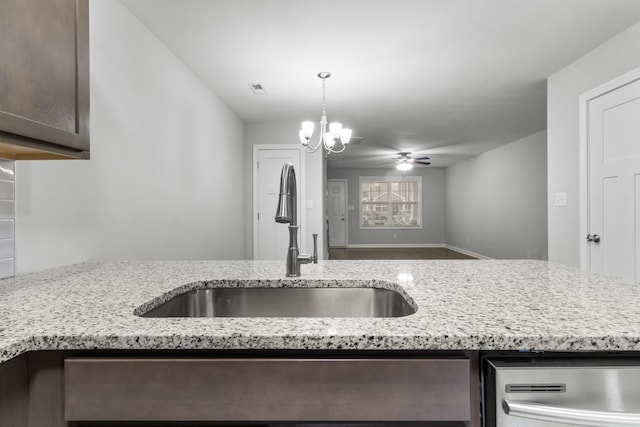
[{"x": 44, "y": 79}]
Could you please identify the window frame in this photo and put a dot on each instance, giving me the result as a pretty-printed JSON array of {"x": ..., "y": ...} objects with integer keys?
[{"x": 386, "y": 179}]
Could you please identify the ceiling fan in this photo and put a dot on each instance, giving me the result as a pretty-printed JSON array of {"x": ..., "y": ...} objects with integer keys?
[{"x": 405, "y": 162}]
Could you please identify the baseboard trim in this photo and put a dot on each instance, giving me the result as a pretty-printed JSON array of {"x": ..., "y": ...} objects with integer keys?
[
  {"x": 410, "y": 245},
  {"x": 466, "y": 252},
  {"x": 397, "y": 245}
]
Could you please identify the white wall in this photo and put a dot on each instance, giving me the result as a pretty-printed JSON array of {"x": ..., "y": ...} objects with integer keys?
[
  {"x": 286, "y": 133},
  {"x": 617, "y": 56},
  {"x": 165, "y": 177},
  {"x": 433, "y": 208},
  {"x": 496, "y": 202}
]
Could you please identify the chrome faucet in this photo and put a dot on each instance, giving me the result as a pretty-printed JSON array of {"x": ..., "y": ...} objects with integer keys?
[{"x": 287, "y": 213}]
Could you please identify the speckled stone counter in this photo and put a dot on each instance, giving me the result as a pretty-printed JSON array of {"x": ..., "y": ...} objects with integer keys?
[{"x": 461, "y": 304}]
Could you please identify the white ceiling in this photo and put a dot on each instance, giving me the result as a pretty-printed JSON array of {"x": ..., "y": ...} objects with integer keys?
[{"x": 446, "y": 78}]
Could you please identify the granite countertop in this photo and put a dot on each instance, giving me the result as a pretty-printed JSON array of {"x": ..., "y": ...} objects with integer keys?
[{"x": 462, "y": 304}]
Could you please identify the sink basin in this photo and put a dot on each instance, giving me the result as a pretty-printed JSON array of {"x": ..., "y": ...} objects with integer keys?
[{"x": 285, "y": 302}]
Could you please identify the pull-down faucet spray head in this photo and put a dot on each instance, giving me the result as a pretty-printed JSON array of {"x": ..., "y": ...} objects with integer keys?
[{"x": 287, "y": 203}]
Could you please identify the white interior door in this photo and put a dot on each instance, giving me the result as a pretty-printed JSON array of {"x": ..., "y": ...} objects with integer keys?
[
  {"x": 271, "y": 240},
  {"x": 337, "y": 190},
  {"x": 613, "y": 155}
]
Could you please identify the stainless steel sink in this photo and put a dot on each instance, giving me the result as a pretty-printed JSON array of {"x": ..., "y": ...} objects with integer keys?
[{"x": 285, "y": 302}]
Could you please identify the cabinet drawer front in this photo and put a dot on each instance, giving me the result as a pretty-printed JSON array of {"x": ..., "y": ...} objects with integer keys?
[{"x": 153, "y": 389}]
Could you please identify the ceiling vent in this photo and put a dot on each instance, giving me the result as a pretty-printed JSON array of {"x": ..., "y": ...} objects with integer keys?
[{"x": 257, "y": 88}]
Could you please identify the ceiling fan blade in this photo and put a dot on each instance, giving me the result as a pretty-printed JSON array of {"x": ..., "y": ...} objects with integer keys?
[
  {"x": 415, "y": 162},
  {"x": 421, "y": 158}
]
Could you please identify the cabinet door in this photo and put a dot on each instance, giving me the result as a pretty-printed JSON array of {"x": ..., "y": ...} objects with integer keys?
[
  {"x": 44, "y": 76},
  {"x": 13, "y": 393}
]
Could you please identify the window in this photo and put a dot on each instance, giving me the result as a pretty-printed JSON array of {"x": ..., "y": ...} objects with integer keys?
[{"x": 390, "y": 202}]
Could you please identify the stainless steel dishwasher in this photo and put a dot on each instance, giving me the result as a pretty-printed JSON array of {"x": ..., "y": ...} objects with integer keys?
[{"x": 531, "y": 392}]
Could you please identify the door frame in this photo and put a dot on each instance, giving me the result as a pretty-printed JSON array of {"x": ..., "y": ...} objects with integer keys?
[
  {"x": 346, "y": 210},
  {"x": 301, "y": 187},
  {"x": 585, "y": 98}
]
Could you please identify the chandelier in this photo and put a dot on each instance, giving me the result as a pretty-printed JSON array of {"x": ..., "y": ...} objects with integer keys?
[{"x": 334, "y": 140}]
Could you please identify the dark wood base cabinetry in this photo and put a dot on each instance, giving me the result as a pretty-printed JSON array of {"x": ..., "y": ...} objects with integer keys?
[
  {"x": 78, "y": 389},
  {"x": 31, "y": 391},
  {"x": 14, "y": 394},
  {"x": 270, "y": 424}
]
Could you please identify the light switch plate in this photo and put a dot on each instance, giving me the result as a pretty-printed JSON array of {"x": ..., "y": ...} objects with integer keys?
[{"x": 561, "y": 199}]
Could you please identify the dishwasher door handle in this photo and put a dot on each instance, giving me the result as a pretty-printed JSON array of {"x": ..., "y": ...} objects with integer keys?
[{"x": 580, "y": 417}]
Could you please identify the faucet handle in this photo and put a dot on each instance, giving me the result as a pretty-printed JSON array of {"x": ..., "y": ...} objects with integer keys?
[{"x": 315, "y": 248}]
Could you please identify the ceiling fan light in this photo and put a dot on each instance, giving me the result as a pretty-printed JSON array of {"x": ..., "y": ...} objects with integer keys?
[
  {"x": 345, "y": 136},
  {"x": 404, "y": 167}
]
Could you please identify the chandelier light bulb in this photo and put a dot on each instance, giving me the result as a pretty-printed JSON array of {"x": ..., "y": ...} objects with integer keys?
[
  {"x": 345, "y": 136},
  {"x": 335, "y": 129},
  {"x": 303, "y": 139},
  {"x": 307, "y": 128},
  {"x": 329, "y": 141}
]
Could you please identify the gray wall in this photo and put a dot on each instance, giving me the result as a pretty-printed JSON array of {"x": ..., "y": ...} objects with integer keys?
[
  {"x": 496, "y": 202},
  {"x": 433, "y": 208},
  {"x": 164, "y": 150},
  {"x": 617, "y": 56}
]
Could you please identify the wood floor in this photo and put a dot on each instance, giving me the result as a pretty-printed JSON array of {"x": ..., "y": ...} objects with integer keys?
[{"x": 395, "y": 253}]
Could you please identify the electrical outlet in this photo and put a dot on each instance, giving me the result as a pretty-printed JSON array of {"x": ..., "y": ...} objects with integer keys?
[{"x": 561, "y": 199}]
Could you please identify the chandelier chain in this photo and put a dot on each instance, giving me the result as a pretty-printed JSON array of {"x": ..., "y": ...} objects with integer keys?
[{"x": 324, "y": 96}]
